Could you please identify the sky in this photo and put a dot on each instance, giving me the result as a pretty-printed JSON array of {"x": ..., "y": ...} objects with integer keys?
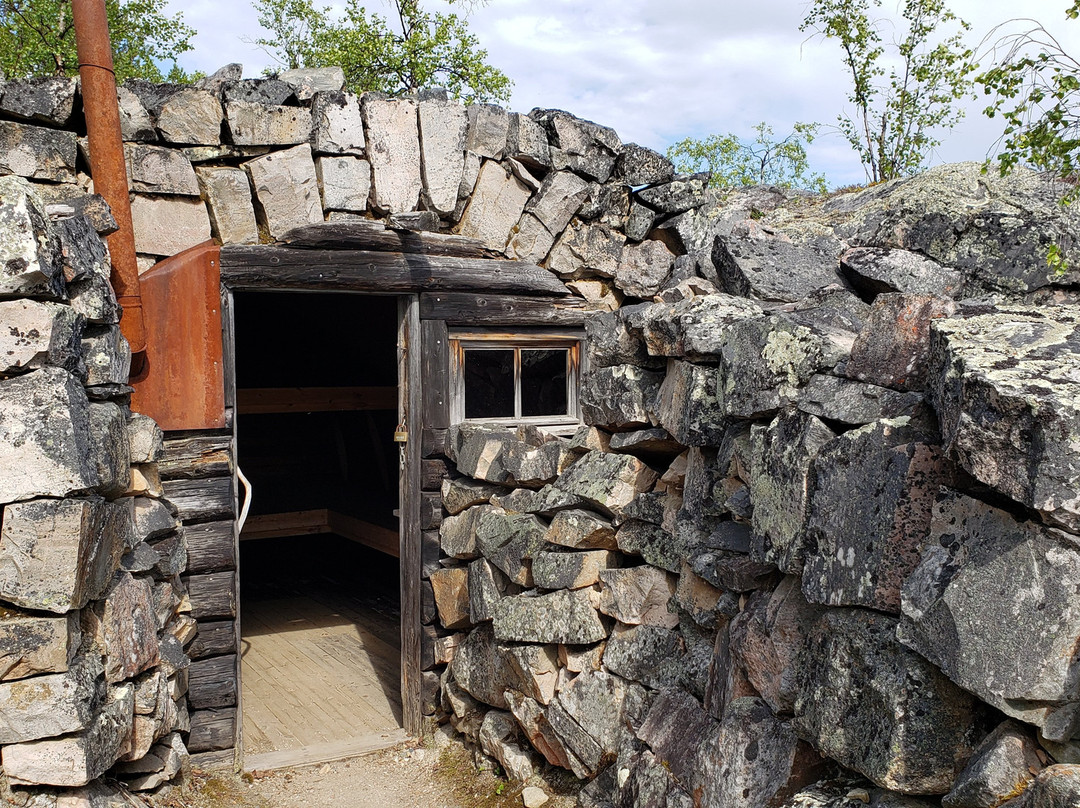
[{"x": 658, "y": 71}]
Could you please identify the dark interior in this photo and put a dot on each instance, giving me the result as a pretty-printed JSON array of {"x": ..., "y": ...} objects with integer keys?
[{"x": 344, "y": 460}]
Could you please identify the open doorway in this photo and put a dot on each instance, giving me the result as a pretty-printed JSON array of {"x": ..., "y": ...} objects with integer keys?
[{"x": 317, "y": 398}]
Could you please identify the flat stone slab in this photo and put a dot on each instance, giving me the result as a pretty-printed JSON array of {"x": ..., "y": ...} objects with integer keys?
[{"x": 561, "y": 617}]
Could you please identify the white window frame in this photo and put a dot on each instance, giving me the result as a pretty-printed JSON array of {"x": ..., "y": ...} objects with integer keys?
[{"x": 493, "y": 339}]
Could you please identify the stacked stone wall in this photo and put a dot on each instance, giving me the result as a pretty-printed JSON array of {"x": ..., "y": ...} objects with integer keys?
[{"x": 817, "y": 541}]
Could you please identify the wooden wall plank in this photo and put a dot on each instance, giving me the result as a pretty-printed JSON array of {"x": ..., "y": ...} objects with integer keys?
[
  {"x": 410, "y": 379},
  {"x": 195, "y": 456},
  {"x": 267, "y": 267},
  {"x": 430, "y": 550},
  {"x": 436, "y": 370},
  {"x": 433, "y": 442},
  {"x": 470, "y": 309},
  {"x": 431, "y": 512},
  {"x": 201, "y": 500},
  {"x": 211, "y": 546},
  {"x": 212, "y": 595},
  {"x": 212, "y": 682},
  {"x": 432, "y": 473},
  {"x": 212, "y": 729},
  {"x": 215, "y": 637}
]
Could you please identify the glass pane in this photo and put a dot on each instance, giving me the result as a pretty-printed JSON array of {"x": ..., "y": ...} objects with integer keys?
[
  {"x": 543, "y": 381},
  {"x": 489, "y": 383}
]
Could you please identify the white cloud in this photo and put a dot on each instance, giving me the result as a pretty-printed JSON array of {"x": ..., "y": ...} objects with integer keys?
[{"x": 660, "y": 71}]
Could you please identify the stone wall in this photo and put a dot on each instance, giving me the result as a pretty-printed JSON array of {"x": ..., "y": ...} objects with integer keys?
[
  {"x": 94, "y": 615},
  {"x": 817, "y": 543}
]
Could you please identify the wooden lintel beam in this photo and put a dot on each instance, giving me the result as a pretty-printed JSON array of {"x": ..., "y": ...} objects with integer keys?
[
  {"x": 370, "y": 235},
  {"x": 264, "y": 400},
  {"x": 268, "y": 267},
  {"x": 459, "y": 308}
]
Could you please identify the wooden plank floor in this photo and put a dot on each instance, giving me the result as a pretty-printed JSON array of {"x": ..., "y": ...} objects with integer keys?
[{"x": 321, "y": 673}]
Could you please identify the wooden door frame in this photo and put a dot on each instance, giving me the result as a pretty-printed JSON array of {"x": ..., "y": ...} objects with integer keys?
[{"x": 410, "y": 413}]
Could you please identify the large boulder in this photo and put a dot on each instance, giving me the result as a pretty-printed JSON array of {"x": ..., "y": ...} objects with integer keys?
[
  {"x": 872, "y": 705},
  {"x": 864, "y": 546},
  {"x": 1006, "y": 387},
  {"x": 993, "y": 229},
  {"x": 992, "y": 604}
]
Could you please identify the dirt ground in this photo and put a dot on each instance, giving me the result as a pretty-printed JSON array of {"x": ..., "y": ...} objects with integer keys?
[{"x": 408, "y": 776}]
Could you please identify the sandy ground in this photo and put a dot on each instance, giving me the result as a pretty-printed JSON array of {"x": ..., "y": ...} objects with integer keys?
[{"x": 409, "y": 776}]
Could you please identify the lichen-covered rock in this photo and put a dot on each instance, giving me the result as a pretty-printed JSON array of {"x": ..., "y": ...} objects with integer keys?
[
  {"x": 30, "y": 254},
  {"x": 779, "y": 474},
  {"x": 1006, "y": 387},
  {"x": 620, "y": 396},
  {"x": 155, "y": 170},
  {"x": 255, "y": 124},
  {"x": 345, "y": 183},
  {"x": 651, "y": 655},
  {"x": 652, "y": 542},
  {"x": 37, "y": 334},
  {"x": 228, "y": 198},
  {"x": 560, "y": 617},
  {"x": 994, "y": 229},
  {"x": 55, "y": 555},
  {"x": 546, "y": 502},
  {"x": 1005, "y": 763},
  {"x": 337, "y": 127},
  {"x": 135, "y": 123},
  {"x": 527, "y": 142},
  {"x": 166, "y": 225},
  {"x": 308, "y": 81},
  {"x": 457, "y": 534},
  {"x": 495, "y": 206},
  {"x": 109, "y": 447},
  {"x": 594, "y": 715},
  {"x": 872, "y": 705},
  {"x": 643, "y": 267},
  {"x": 499, "y": 738},
  {"x": 188, "y": 115},
  {"x": 443, "y": 127},
  {"x": 145, "y": 439},
  {"x": 694, "y": 327},
  {"x": 45, "y": 441},
  {"x": 572, "y": 570},
  {"x": 878, "y": 270},
  {"x": 488, "y": 129},
  {"x": 509, "y": 541},
  {"x": 893, "y": 349},
  {"x": 106, "y": 355},
  {"x": 679, "y": 194},
  {"x": 764, "y": 361},
  {"x": 47, "y": 706},
  {"x": 638, "y": 165},
  {"x": 580, "y": 529},
  {"x": 460, "y": 493},
  {"x": 533, "y": 720},
  {"x": 771, "y": 263},
  {"x": 393, "y": 149},
  {"x": 287, "y": 189},
  {"x": 1012, "y": 649},
  {"x": 852, "y": 402},
  {"x": 32, "y": 644},
  {"x": 37, "y": 153},
  {"x": 582, "y": 146},
  {"x": 75, "y": 760},
  {"x": 49, "y": 99},
  {"x": 639, "y": 596},
  {"x": 608, "y": 481},
  {"x": 1054, "y": 787},
  {"x": 586, "y": 250},
  {"x": 865, "y": 546},
  {"x": 611, "y": 341},
  {"x": 688, "y": 405}
]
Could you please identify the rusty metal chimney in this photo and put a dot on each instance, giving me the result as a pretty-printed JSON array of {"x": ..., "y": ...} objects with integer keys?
[{"x": 107, "y": 159}]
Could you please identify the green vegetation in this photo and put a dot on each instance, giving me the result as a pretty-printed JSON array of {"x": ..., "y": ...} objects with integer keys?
[
  {"x": 762, "y": 161},
  {"x": 419, "y": 49},
  {"x": 897, "y": 110},
  {"x": 1036, "y": 85},
  {"x": 37, "y": 37}
]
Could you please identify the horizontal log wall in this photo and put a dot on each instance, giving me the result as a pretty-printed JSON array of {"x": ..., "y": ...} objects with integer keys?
[{"x": 197, "y": 469}]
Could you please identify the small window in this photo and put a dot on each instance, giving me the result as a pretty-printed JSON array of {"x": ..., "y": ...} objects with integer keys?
[{"x": 524, "y": 378}]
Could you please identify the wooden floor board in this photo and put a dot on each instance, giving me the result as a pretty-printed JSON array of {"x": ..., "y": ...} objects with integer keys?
[{"x": 321, "y": 678}]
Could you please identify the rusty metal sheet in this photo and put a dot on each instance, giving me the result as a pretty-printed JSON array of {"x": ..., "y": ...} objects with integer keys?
[{"x": 181, "y": 385}]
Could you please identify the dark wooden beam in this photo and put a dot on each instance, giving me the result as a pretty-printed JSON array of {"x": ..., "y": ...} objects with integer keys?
[
  {"x": 265, "y": 267},
  {"x": 366, "y": 235},
  {"x": 462, "y": 308},
  {"x": 263, "y": 400}
]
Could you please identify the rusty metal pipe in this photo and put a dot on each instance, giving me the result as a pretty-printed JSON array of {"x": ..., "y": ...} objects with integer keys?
[{"x": 107, "y": 162}]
